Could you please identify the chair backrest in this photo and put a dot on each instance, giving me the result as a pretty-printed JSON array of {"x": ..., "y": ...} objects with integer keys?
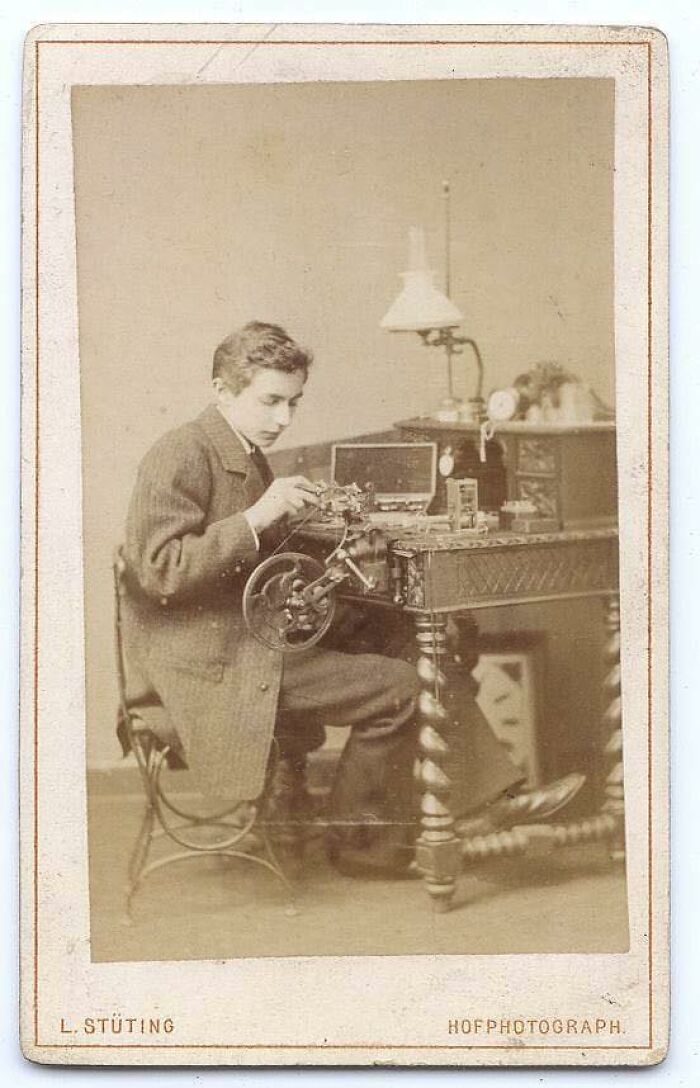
[
  {"x": 119, "y": 570},
  {"x": 143, "y": 721}
]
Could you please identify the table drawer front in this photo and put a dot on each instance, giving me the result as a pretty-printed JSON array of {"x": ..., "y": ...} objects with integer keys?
[
  {"x": 542, "y": 492},
  {"x": 537, "y": 455},
  {"x": 544, "y": 571}
]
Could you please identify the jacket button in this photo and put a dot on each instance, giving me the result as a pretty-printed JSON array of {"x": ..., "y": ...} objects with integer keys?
[
  {"x": 238, "y": 568},
  {"x": 164, "y": 601},
  {"x": 264, "y": 686}
]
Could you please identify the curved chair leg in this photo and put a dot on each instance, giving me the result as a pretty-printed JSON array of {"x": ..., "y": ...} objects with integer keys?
[
  {"x": 157, "y": 823},
  {"x": 240, "y": 855},
  {"x": 139, "y": 858},
  {"x": 268, "y": 863}
]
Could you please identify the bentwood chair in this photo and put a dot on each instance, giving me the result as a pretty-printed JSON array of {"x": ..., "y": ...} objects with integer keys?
[{"x": 242, "y": 830}]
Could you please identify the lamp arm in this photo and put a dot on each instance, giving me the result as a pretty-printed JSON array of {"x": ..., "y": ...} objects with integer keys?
[
  {"x": 479, "y": 364},
  {"x": 433, "y": 338},
  {"x": 452, "y": 343}
]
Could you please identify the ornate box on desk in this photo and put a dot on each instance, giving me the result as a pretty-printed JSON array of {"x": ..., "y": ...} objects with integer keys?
[{"x": 568, "y": 472}]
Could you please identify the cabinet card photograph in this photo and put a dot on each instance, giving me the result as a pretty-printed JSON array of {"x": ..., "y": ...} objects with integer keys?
[{"x": 345, "y": 540}]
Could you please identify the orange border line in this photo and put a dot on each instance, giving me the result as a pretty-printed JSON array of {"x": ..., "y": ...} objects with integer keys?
[
  {"x": 329, "y": 1046},
  {"x": 649, "y": 538},
  {"x": 355, "y": 42},
  {"x": 318, "y": 41},
  {"x": 36, "y": 558}
]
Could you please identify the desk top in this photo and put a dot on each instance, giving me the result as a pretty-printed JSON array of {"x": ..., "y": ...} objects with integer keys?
[
  {"x": 421, "y": 540},
  {"x": 428, "y": 423}
]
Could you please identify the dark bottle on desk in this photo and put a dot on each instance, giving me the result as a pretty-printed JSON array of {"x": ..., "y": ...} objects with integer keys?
[
  {"x": 458, "y": 457},
  {"x": 490, "y": 474}
]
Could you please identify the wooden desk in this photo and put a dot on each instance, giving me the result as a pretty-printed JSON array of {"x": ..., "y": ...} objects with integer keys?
[{"x": 431, "y": 575}]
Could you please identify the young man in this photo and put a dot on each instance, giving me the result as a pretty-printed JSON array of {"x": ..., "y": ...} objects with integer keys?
[{"x": 203, "y": 509}]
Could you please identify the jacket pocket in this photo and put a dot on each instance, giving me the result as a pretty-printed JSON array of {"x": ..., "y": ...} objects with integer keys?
[{"x": 207, "y": 670}]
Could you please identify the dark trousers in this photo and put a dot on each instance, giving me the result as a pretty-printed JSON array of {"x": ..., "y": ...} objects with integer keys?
[{"x": 376, "y": 695}]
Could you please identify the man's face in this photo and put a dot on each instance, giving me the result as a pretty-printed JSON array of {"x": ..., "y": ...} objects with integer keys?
[{"x": 264, "y": 408}]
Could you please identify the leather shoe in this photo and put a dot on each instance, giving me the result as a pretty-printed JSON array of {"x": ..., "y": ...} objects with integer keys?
[{"x": 524, "y": 807}]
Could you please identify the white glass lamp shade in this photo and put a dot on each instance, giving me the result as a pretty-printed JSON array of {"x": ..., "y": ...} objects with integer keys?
[{"x": 420, "y": 305}]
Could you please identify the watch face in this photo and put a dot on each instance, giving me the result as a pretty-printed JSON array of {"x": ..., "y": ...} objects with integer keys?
[
  {"x": 503, "y": 404},
  {"x": 447, "y": 462}
]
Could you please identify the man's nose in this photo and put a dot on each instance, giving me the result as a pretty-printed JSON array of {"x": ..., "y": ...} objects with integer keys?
[{"x": 283, "y": 415}]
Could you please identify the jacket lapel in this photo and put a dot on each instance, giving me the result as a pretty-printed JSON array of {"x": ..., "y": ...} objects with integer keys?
[
  {"x": 233, "y": 455},
  {"x": 226, "y": 443}
]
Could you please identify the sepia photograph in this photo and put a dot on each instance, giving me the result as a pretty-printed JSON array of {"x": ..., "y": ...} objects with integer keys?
[
  {"x": 344, "y": 405},
  {"x": 353, "y": 343}
]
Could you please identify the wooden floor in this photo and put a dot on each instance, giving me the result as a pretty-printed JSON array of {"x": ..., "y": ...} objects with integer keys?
[{"x": 570, "y": 901}]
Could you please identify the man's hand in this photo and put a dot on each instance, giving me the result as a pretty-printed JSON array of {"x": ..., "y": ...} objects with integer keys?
[{"x": 287, "y": 495}]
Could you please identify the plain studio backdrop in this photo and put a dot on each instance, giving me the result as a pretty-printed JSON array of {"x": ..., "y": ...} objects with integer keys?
[{"x": 200, "y": 208}]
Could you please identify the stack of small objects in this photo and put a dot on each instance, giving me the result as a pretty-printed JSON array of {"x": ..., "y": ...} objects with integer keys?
[{"x": 521, "y": 516}]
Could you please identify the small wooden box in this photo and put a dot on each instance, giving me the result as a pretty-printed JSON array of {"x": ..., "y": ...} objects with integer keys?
[{"x": 462, "y": 502}]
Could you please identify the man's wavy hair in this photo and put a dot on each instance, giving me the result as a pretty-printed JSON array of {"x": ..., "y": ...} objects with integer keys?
[{"x": 258, "y": 346}]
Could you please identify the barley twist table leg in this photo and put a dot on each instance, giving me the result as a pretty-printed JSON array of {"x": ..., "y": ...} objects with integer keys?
[
  {"x": 613, "y": 801},
  {"x": 438, "y": 849}
]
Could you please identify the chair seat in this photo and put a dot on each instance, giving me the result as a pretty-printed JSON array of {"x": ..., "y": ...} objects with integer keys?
[
  {"x": 155, "y": 720},
  {"x": 152, "y": 723}
]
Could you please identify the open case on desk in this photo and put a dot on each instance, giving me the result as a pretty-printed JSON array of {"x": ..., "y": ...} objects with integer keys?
[{"x": 402, "y": 474}]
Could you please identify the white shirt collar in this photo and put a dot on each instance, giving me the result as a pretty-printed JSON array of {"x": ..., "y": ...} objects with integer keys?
[{"x": 245, "y": 442}]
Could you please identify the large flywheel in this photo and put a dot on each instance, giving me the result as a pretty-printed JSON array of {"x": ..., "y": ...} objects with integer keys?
[{"x": 288, "y": 603}]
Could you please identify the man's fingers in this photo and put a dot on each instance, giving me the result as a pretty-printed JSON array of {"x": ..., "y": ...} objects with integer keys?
[
  {"x": 304, "y": 498},
  {"x": 309, "y": 498},
  {"x": 294, "y": 493},
  {"x": 303, "y": 483}
]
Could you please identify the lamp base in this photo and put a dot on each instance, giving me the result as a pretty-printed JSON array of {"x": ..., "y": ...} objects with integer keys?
[
  {"x": 454, "y": 410},
  {"x": 449, "y": 410},
  {"x": 474, "y": 411}
]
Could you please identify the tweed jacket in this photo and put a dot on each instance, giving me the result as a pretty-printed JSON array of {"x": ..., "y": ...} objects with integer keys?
[{"x": 188, "y": 552}]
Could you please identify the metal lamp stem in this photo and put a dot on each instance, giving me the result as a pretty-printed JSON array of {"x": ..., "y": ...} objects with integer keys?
[
  {"x": 448, "y": 238},
  {"x": 449, "y": 351},
  {"x": 479, "y": 366},
  {"x": 447, "y": 338}
]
